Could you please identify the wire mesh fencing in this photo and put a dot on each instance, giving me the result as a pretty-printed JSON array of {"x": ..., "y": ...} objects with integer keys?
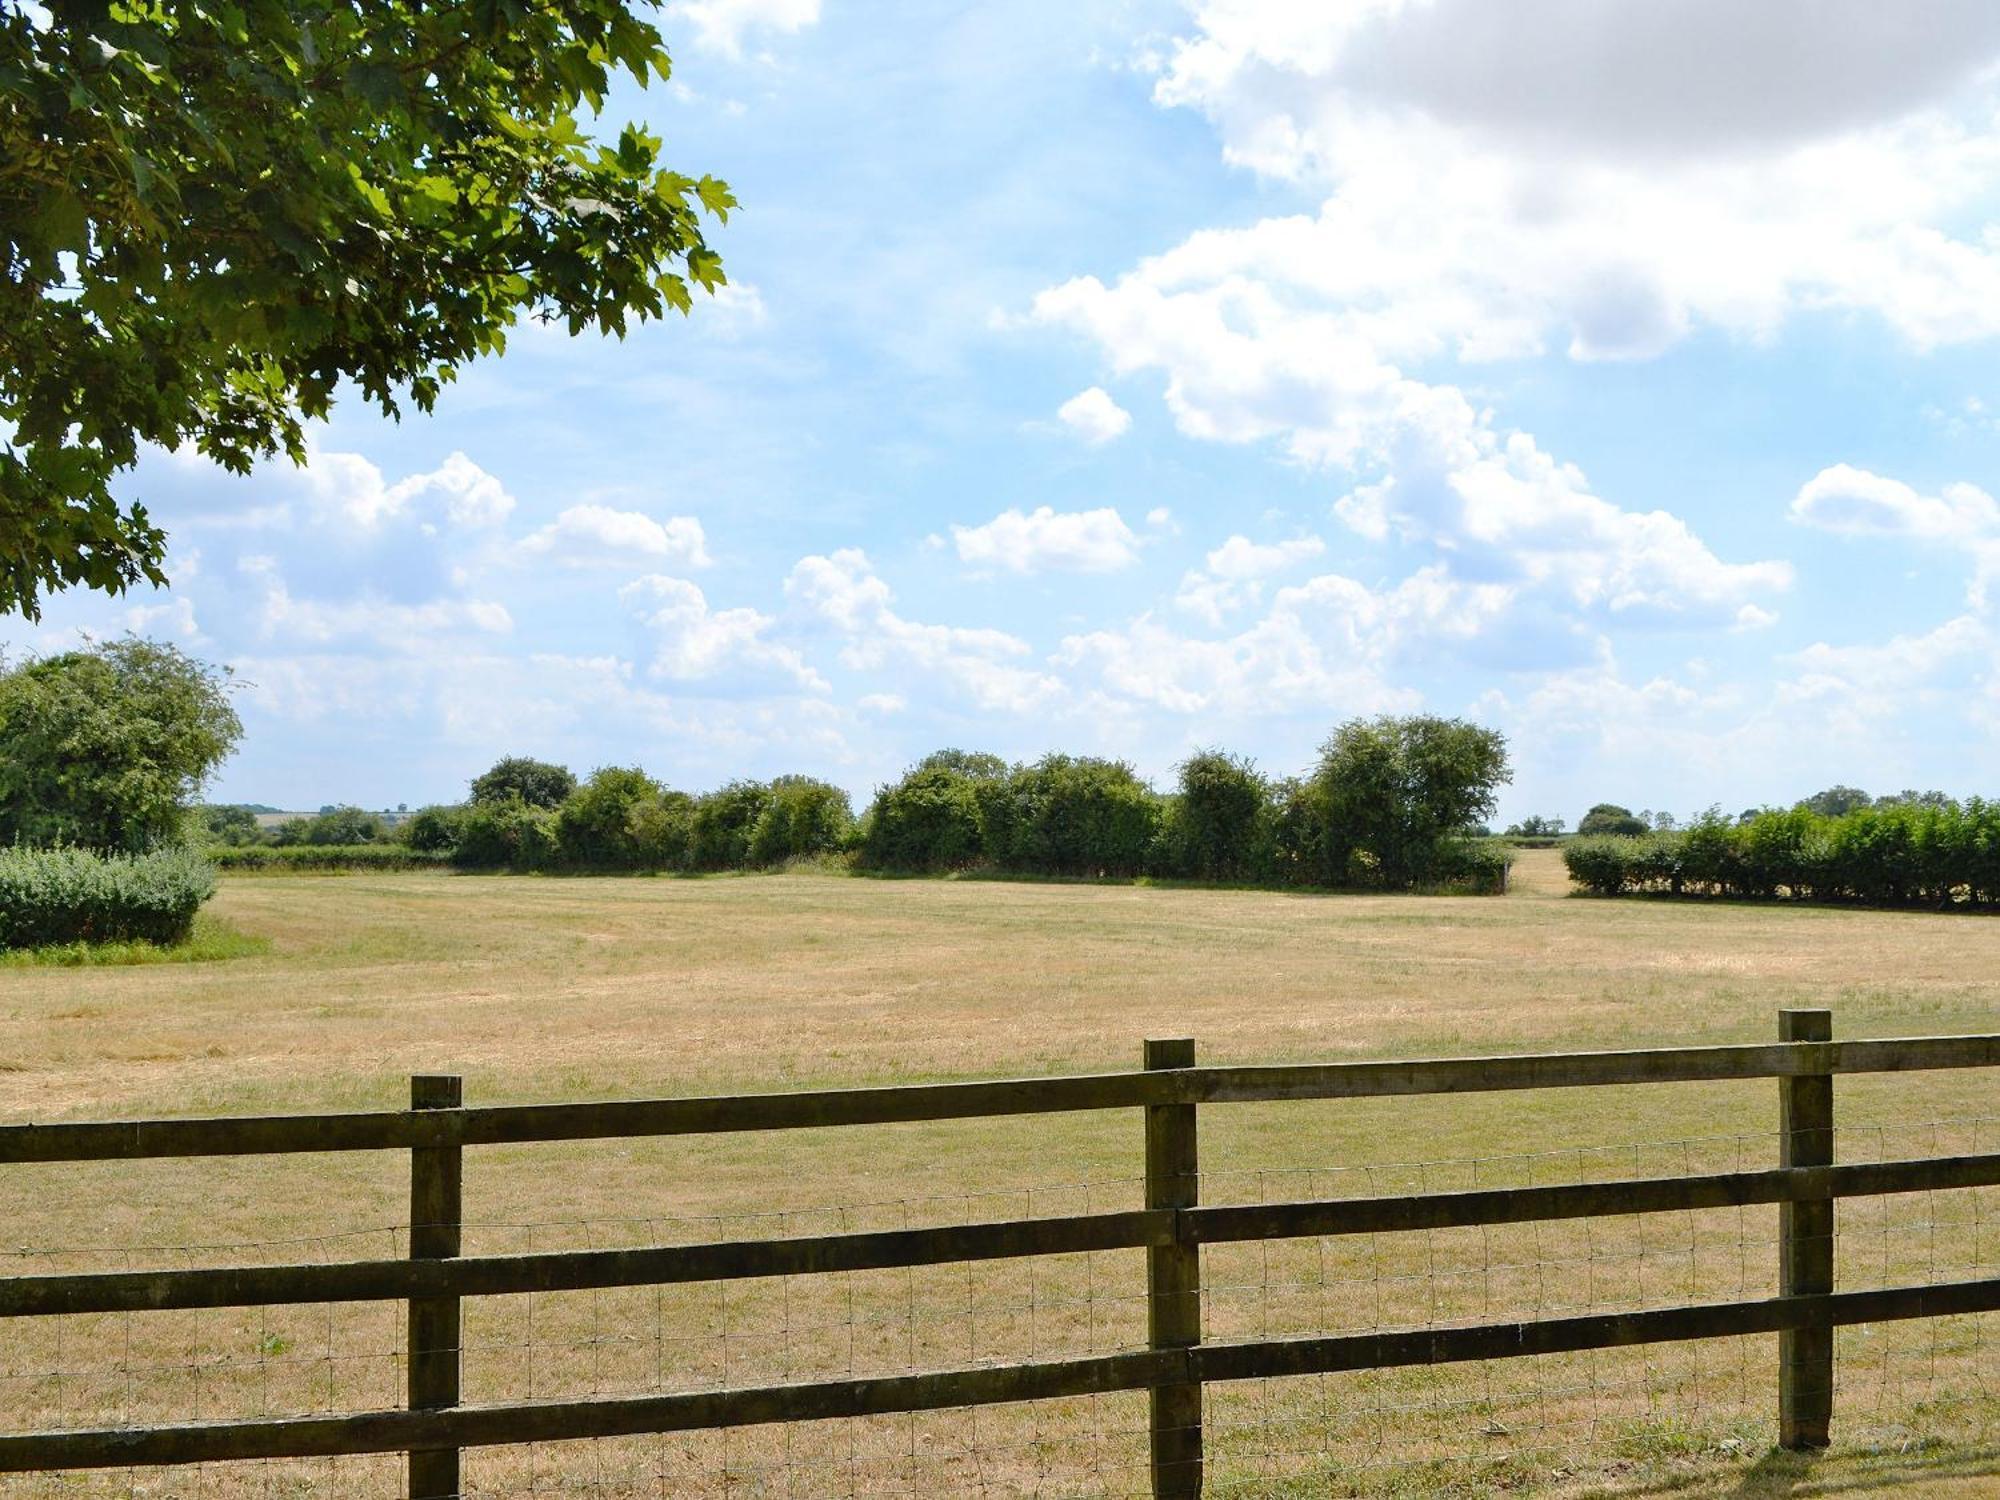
[{"x": 1519, "y": 1424}]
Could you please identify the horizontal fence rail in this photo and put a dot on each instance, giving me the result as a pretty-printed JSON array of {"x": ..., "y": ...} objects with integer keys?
[
  {"x": 896, "y": 1249},
  {"x": 622, "y": 1416},
  {"x": 1173, "y": 1230},
  {"x": 523, "y": 1124}
]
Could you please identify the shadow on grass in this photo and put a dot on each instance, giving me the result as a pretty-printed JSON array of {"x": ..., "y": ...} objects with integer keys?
[{"x": 212, "y": 941}]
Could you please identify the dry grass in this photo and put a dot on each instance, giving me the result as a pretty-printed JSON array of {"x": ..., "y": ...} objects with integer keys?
[{"x": 538, "y": 989}]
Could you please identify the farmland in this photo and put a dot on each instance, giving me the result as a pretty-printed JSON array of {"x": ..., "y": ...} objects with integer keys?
[{"x": 540, "y": 989}]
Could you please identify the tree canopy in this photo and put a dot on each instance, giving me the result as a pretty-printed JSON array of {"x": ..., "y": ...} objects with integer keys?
[
  {"x": 107, "y": 747},
  {"x": 539, "y": 783},
  {"x": 213, "y": 214},
  {"x": 1609, "y": 817},
  {"x": 1399, "y": 788}
]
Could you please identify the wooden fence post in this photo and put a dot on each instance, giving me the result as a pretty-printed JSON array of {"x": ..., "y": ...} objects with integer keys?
[
  {"x": 1173, "y": 1280},
  {"x": 436, "y": 1214},
  {"x": 1805, "y": 1241}
]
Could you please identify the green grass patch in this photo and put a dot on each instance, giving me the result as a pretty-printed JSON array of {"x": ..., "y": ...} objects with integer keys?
[{"x": 211, "y": 941}]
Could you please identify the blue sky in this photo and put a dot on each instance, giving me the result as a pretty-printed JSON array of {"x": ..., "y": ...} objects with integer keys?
[{"x": 1128, "y": 377}]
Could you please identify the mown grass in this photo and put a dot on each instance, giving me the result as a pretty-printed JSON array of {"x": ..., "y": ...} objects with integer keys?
[{"x": 561, "y": 989}]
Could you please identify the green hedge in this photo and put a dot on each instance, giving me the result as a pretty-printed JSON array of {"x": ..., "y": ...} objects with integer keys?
[
  {"x": 1904, "y": 855},
  {"x": 50, "y": 896},
  {"x": 328, "y": 857}
]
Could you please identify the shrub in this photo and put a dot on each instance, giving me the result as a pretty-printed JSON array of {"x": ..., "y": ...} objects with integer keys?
[
  {"x": 520, "y": 779},
  {"x": 801, "y": 817},
  {"x": 662, "y": 830},
  {"x": 51, "y": 896},
  {"x": 723, "y": 822},
  {"x": 594, "y": 825},
  {"x": 1219, "y": 826},
  {"x": 1601, "y": 862},
  {"x": 432, "y": 830},
  {"x": 505, "y": 836},
  {"x": 335, "y": 826},
  {"x": 1077, "y": 815},
  {"x": 1609, "y": 817},
  {"x": 225, "y": 824},
  {"x": 930, "y": 820}
]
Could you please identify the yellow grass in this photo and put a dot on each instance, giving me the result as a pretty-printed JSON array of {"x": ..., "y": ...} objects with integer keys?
[{"x": 545, "y": 989}]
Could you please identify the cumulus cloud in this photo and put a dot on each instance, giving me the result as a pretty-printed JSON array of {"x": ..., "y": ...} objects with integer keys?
[
  {"x": 1244, "y": 366},
  {"x": 695, "y": 643},
  {"x": 844, "y": 592},
  {"x": 1044, "y": 539},
  {"x": 1094, "y": 417},
  {"x": 349, "y": 488},
  {"x": 722, "y": 25},
  {"x": 1501, "y": 175},
  {"x": 587, "y": 535},
  {"x": 1853, "y": 502},
  {"x": 1235, "y": 573},
  {"x": 1326, "y": 645}
]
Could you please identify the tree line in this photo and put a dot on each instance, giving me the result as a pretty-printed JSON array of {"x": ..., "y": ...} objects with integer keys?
[{"x": 1393, "y": 803}]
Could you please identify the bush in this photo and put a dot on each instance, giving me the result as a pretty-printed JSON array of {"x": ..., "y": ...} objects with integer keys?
[
  {"x": 51, "y": 896},
  {"x": 521, "y": 779},
  {"x": 1912, "y": 854},
  {"x": 594, "y": 825},
  {"x": 1076, "y": 815},
  {"x": 432, "y": 830},
  {"x": 801, "y": 818},
  {"x": 225, "y": 824},
  {"x": 505, "y": 836},
  {"x": 327, "y": 857},
  {"x": 1219, "y": 826},
  {"x": 662, "y": 830},
  {"x": 723, "y": 823},
  {"x": 1609, "y": 817},
  {"x": 335, "y": 826},
  {"x": 929, "y": 821}
]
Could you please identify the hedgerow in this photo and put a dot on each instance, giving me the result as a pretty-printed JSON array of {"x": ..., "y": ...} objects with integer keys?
[
  {"x": 65, "y": 895},
  {"x": 326, "y": 857},
  {"x": 1901, "y": 854}
]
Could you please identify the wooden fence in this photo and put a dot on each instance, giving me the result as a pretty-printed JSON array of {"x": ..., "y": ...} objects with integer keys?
[{"x": 1172, "y": 1228}]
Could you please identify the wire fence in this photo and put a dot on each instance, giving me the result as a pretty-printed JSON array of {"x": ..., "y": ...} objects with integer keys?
[{"x": 1555, "y": 1423}]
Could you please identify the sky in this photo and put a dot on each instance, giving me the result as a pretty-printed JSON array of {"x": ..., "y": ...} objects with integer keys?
[{"x": 1129, "y": 378}]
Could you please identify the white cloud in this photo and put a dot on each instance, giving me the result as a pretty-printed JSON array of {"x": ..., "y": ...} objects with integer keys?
[
  {"x": 349, "y": 488},
  {"x": 170, "y": 617},
  {"x": 1084, "y": 541},
  {"x": 1503, "y": 175},
  {"x": 1326, "y": 646},
  {"x": 696, "y": 643},
  {"x": 722, "y": 25},
  {"x": 1853, "y": 502},
  {"x": 596, "y": 534},
  {"x": 1235, "y": 573},
  {"x": 1244, "y": 366},
  {"x": 844, "y": 591},
  {"x": 735, "y": 308},
  {"x": 380, "y": 622},
  {"x": 1094, "y": 417}
]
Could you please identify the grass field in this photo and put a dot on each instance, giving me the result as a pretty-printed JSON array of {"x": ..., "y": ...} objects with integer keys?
[{"x": 542, "y": 989}]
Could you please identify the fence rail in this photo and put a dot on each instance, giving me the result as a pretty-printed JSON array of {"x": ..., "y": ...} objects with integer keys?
[{"x": 1173, "y": 1228}]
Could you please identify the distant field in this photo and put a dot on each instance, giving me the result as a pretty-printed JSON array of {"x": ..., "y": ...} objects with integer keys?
[{"x": 550, "y": 988}]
